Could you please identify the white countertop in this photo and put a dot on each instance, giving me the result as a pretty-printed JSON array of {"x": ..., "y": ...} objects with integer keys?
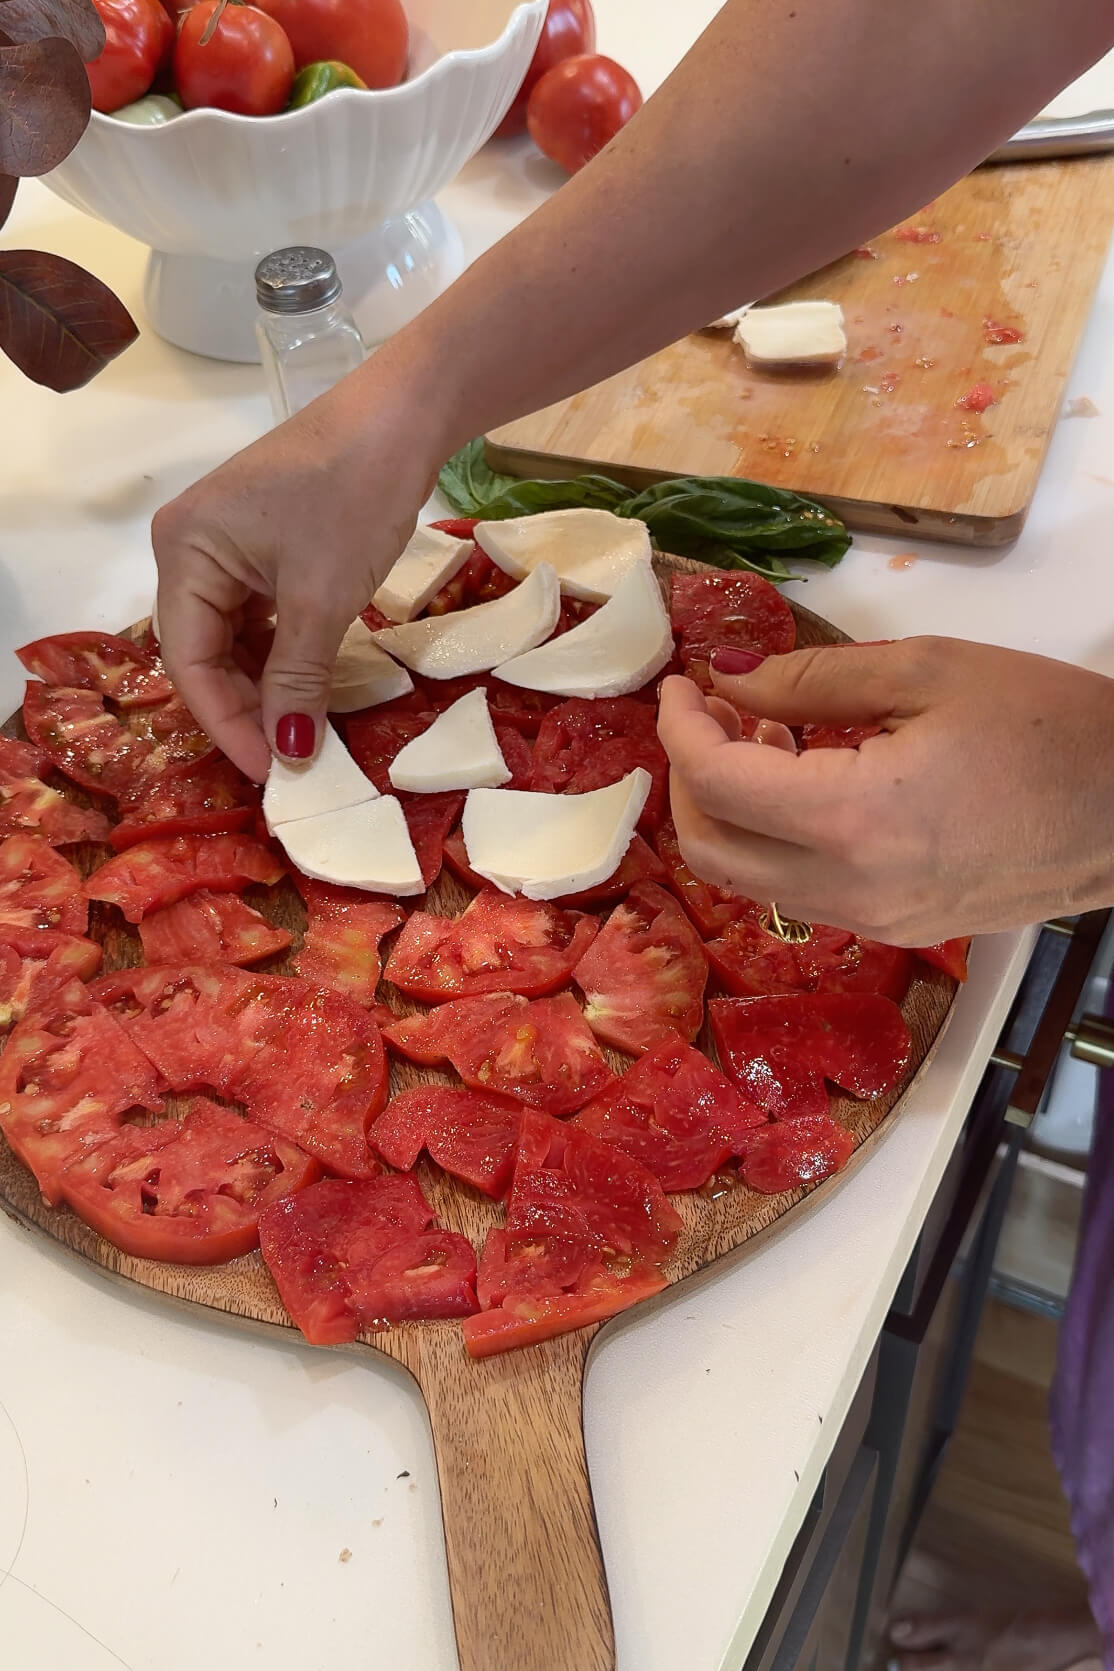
[{"x": 175, "y": 1492}]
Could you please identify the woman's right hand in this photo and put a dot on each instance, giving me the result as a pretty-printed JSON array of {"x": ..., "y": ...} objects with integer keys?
[{"x": 304, "y": 525}]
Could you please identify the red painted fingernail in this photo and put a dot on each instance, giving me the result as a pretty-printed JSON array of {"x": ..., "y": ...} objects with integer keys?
[
  {"x": 726, "y": 660},
  {"x": 294, "y": 736}
]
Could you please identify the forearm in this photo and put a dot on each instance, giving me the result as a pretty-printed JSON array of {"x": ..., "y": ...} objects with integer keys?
[{"x": 793, "y": 131}]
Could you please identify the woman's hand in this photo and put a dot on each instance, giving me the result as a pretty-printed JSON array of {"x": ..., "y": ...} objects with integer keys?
[
  {"x": 303, "y": 524},
  {"x": 986, "y": 802}
]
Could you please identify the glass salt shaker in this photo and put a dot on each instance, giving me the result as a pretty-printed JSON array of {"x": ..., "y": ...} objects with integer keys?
[{"x": 307, "y": 337}]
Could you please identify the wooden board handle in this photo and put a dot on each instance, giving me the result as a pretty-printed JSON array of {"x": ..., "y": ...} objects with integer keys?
[{"x": 525, "y": 1570}]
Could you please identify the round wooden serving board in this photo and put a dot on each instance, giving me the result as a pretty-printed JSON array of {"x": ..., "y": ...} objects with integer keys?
[{"x": 528, "y": 1586}]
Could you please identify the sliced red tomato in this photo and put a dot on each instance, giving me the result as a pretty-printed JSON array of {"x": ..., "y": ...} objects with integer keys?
[
  {"x": 569, "y": 1184},
  {"x": 948, "y": 955},
  {"x": 837, "y": 736},
  {"x": 118, "y": 669},
  {"x": 39, "y": 888},
  {"x": 210, "y": 928},
  {"x": 375, "y": 735},
  {"x": 472, "y": 1135},
  {"x": 790, "y": 1153},
  {"x": 348, "y": 1256},
  {"x": 479, "y": 581},
  {"x": 675, "y": 1113},
  {"x": 643, "y": 978},
  {"x": 74, "y": 729},
  {"x": 710, "y": 908},
  {"x": 743, "y": 611},
  {"x": 539, "y": 1051},
  {"x": 27, "y": 803},
  {"x": 152, "y": 874},
  {"x": 321, "y": 1081},
  {"x": 518, "y": 756},
  {"x": 749, "y": 962},
  {"x": 210, "y": 798},
  {"x": 460, "y": 527},
  {"x": 341, "y": 945},
  {"x": 499, "y": 944},
  {"x": 190, "y": 1190},
  {"x": 67, "y": 1074},
  {"x": 429, "y": 818},
  {"x": 534, "y": 1290},
  {"x": 586, "y": 745},
  {"x": 172, "y": 731},
  {"x": 35, "y": 963},
  {"x": 779, "y": 1051}
]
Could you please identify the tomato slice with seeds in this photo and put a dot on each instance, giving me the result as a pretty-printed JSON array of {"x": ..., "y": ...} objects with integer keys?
[
  {"x": 67, "y": 1074},
  {"x": 39, "y": 888},
  {"x": 643, "y": 978},
  {"x": 76, "y": 732},
  {"x": 780, "y": 1051},
  {"x": 35, "y": 964},
  {"x": 498, "y": 944},
  {"x": 675, "y": 1113},
  {"x": 172, "y": 731},
  {"x": 948, "y": 955},
  {"x": 341, "y": 945},
  {"x": 118, "y": 669},
  {"x": 347, "y": 1256},
  {"x": 210, "y": 928},
  {"x": 743, "y": 611},
  {"x": 569, "y": 1184},
  {"x": 584, "y": 745},
  {"x": 27, "y": 803},
  {"x": 152, "y": 874},
  {"x": 190, "y": 1190},
  {"x": 538, "y": 1051},
  {"x": 710, "y": 908},
  {"x": 212, "y": 798},
  {"x": 750, "y": 962},
  {"x": 479, "y": 581},
  {"x": 471, "y": 1134},
  {"x": 790, "y": 1153}
]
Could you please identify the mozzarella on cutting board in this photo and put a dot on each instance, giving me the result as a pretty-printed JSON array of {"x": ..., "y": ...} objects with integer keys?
[
  {"x": 330, "y": 782},
  {"x": 478, "y": 639},
  {"x": 544, "y": 846},
  {"x": 614, "y": 652},
  {"x": 363, "y": 674},
  {"x": 458, "y": 751},
  {"x": 590, "y": 550},
  {"x": 728, "y": 321},
  {"x": 429, "y": 561},
  {"x": 793, "y": 334},
  {"x": 366, "y": 846}
]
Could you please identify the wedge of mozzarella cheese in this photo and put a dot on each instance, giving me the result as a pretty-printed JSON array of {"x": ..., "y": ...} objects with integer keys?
[
  {"x": 475, "y": 640},
  {"x": 612, "y": 653},
  {"x": 793, "y": 334},
  {"x": 366, "y": 846},
  {"x": 330, "y": 782},
  {"x": 544, "y": 846},
  {"x": 459, "y": 751},
  {"x": 430, "y": 560},
  {"x": 591, "y": 551},
  {"x": 728, "y": 321},
  {"x": 363, "y": 674}
]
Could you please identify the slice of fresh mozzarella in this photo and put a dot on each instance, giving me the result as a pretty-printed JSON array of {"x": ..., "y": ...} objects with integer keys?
[
  {"x": 429, "y": 561},
  {"x": 728, "y": 321},
  {"x": 544, "y": 846},
  {"x": 590, "y": 550},
  {"x": 793, "y": 334},
  {"x": 612, "y": 653},
  {"x": 363, "y": 674},
  {"x": 459, "y": 751},
  {"x": 475, "y": 640},
  {"x": 298, "y": 789},
  {"x": 366, "y": 846}
]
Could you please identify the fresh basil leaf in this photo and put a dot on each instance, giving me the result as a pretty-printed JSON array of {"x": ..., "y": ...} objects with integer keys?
[{"x": 468, "y": 482}]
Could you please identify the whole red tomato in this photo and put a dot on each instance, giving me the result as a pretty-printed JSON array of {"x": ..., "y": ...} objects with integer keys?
[
  {"x": 139, "y": 35},
  {"x": 578, "y": 106},
  {"x": 569, "y": 29},
  {"x": 371, "y": 36},
  {"x": 246, "y": 65}
]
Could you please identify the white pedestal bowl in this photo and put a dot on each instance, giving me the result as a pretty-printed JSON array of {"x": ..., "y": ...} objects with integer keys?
[{"x": 355, "y": 173}]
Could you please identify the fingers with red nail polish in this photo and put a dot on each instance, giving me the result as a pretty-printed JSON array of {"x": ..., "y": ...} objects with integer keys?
[
  {"x": 295, "y": 736},
  {"x": 733, "y": 662}
]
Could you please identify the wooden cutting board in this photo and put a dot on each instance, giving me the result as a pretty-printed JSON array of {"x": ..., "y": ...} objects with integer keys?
[
  {"x": 528, "y": 1586},
  {"x": 881, "y": 441}
]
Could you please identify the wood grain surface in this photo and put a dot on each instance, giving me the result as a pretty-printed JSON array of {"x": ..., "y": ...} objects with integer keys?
[
  {"x": 881, "y": 441},
  {"x": 527, "y": 1580}
]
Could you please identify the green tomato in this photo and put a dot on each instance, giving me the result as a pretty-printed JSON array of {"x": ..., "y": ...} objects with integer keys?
[
  {"x": 149, "y": 112},
  {"x": 316, "y": 80}
]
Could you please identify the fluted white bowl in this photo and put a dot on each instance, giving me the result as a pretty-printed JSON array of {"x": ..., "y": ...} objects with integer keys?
[{"x": 211, "y": 192}]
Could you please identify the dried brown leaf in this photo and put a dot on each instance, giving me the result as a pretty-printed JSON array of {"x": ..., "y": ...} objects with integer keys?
[
  {"x": 76, "y": 21},
  {"x": 44, "y": 105},
  {"x": 59, "y": 324}
]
